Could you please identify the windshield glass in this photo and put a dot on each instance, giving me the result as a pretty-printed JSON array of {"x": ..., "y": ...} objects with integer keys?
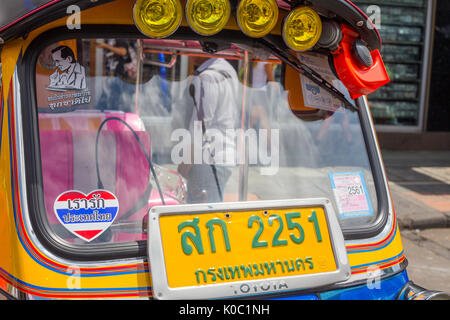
[{"x": 129, "y": 124}]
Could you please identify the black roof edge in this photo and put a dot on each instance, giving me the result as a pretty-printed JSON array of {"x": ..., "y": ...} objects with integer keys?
[
  {"x": 44, "y": 16},
  {"x": 343, "y": 9}
]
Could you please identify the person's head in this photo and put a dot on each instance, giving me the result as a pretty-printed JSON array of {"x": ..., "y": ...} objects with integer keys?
[
  {"x": 197, "y": 61},
  {"x": 63, "y": 57}
]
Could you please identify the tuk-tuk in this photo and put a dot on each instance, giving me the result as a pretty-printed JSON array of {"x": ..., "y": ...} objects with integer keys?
[{"x": 199, "y": 149}]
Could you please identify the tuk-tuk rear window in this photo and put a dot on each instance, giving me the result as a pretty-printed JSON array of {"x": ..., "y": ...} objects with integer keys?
[{"x": 129, "y": 124}]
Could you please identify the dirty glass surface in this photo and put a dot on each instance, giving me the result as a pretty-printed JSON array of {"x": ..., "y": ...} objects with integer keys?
[{"x": 129, "y": 124}]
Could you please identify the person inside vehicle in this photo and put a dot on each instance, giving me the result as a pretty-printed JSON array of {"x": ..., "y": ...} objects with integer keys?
[
  {"x": 121, "y": 64},
  {"x": 213, "y": 91}
]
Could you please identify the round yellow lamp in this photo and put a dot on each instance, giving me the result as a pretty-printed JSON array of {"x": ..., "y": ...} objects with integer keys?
[
  {"x": 157, "y": 18},
  {"x": 207, "y": 17},
  {"x": 257, "y": 18},
  {"x": 302, "y": 29}
]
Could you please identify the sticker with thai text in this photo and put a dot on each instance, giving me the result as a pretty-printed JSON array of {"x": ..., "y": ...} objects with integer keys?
[
  {"x": 86, "y": 216},
  {"x": 350, "y": 192},
  {"x": 313, "y": 95}
]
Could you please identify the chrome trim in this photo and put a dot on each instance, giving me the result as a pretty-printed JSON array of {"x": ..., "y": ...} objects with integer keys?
[
  {"x": 412, "y": 291},
  {"x": 11, "y": 293},
  {"x": 162, "y": 290},
  {"x": 426, "y": 70},
  {"x": 374, "y": 274}
]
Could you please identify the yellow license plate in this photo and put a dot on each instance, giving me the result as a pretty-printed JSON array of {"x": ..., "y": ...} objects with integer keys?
[{"x": 229, "y": 246}]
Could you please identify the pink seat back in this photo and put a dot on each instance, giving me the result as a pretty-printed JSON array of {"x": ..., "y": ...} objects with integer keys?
[
  {"x": 57, "y": 167},
  {"x": 68, "y": 163}
]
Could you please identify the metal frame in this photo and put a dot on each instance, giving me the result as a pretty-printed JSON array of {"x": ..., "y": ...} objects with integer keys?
[{"x": 161, "y": 287}]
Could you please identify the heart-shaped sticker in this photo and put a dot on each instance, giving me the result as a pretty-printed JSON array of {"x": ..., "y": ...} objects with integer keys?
[{"x": 86, "y": 216}]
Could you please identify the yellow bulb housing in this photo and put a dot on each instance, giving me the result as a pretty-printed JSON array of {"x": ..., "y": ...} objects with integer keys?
[
  {"x": 302, "y": 29},
  {"x": 207, "y": 17},
  {"x": 257, "y": 18},
  {"x": 157, "y": 18}
]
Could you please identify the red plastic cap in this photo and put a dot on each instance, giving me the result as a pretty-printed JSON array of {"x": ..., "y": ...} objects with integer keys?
[{"x": 360, "y": 80}]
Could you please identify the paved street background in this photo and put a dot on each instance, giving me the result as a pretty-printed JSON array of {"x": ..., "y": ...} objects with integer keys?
[{"x": 420, "y": 189}]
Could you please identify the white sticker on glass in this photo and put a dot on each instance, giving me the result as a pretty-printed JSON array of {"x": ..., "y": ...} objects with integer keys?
[{"x": 350, "y": 192}]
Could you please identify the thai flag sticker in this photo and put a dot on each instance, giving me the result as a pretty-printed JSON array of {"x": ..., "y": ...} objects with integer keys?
[{"x": 86, "y": 216}]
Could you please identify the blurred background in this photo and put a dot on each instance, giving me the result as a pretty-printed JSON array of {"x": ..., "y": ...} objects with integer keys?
[
  {"x": 416, "y": 50},
  {"x": 412, "y": 117}
]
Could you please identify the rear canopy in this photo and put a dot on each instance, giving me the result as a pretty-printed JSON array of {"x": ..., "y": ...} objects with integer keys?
[
  {"x": 21, "y": 16},
  {"x": 13, "y": 11}
]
